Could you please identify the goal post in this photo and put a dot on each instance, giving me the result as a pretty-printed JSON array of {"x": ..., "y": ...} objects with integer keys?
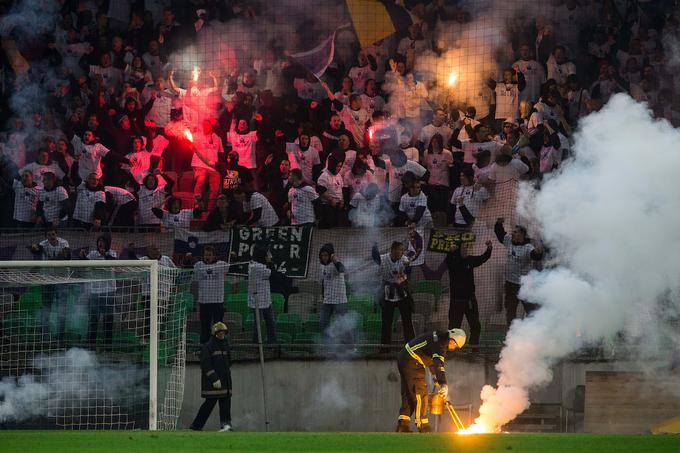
[{"x": 58, "y": 368}]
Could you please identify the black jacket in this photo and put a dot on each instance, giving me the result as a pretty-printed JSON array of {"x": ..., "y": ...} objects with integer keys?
[
  {"x": 462, "y": 273},
  {"x": 429, "y": 350},
  {"x": 215, "y": 365}
]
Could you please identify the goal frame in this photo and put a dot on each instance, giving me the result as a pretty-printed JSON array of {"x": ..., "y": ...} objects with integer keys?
[{"x": 153, "y": 267}]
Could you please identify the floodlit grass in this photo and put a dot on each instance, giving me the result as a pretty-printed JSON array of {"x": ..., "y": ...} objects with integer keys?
[{"x": 136, "y": 441}]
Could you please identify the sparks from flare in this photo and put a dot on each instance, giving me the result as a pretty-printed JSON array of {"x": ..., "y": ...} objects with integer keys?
[
  {"x": 453, "y": 77},
  {"x": 475, "y": 428}
]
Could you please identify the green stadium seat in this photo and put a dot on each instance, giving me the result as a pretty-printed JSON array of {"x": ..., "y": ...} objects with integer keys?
[
  {"x": 311, "y": 324},
  {"x": 237, "y": 303},
  {"x": 278, "y": 302},
  {"x": 30, "y": 302},
  {"x": 242, "y": 286},
  {"x": 364, "y": 304},
  {"x": 433, "y": 287},
  {"x": 292, "y": 317}
]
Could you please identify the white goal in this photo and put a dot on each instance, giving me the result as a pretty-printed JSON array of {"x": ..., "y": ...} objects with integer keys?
[{"x": 90, "y": 344}]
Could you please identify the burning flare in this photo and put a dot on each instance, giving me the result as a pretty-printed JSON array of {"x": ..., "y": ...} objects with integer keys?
[
  {"x": 187, "y": 134},
  {"x": 453, "y": 77}
]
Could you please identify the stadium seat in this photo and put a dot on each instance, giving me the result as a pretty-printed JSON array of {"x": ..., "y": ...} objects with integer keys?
[
  {"x": 423, "y": 303},
  {"x": 278, "y": 302},
  {"x": 301, "y": 304},
  {"x": 242, "y": 286},
  {"x": 371, "y": 329},
  {"x": 237, "y": 303},
  {"x": 433, "y": 287},
  {"x": 233, "y": 317},
  {"x": 364, "y": 304},
  {"x": 310, "y": 287},
  {"x": 311, "y": 324},
  {"x": 233, "y": 326},
  {"x": 30, "y": 302}
]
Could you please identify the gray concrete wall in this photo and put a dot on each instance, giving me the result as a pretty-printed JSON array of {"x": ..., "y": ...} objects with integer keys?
[
  {"x": 357, "y": 395},
  {"x": 323, "y": 396}
]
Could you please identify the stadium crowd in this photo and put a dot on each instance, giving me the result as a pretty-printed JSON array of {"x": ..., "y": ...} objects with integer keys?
[{"x": 273, "y": 145}]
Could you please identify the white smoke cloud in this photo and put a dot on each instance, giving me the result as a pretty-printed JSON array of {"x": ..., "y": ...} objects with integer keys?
[
  {"x": 68, "y": 380},
  {"x": 611, "y": 219}
]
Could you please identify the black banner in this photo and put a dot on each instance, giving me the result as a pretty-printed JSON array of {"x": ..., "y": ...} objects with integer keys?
[
  {"x": 441, "y": 241},
  {"x": 289, "y": 246}
]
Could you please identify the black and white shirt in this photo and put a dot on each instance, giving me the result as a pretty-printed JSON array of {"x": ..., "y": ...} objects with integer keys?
[
  {"x": 210, "y": 278},
  {"x": 25, "y": 201}
]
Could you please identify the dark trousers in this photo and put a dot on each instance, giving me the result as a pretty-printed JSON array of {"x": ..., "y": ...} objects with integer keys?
[
  {"x": 512, "y": 301},
  {"x": 207, "y": 408},
  {"x": 414, "y": 394},
  {"x": 437, "y": 198},
  {"x": 330, "y": 217},
  {"x": 101, "y": 305},
  {"x": 266, "y": 314},
  {"x": 125, "y": 215},
  {"x": 459, "y": 308},
  {"x": 387, "y": 311},
  {"x": 54, "y": 297},
  {"x": 209, "y": 314},
  {"x": 343, "y": 333}
]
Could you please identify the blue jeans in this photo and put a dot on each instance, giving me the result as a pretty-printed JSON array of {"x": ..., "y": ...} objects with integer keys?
[
  {"x": 344, "y": 331},
  {"x": 268, "y": 315},
  {"x": 101, "y": 305}
]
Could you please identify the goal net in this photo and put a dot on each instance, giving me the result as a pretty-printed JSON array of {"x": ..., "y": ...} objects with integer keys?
[{"x": 92, "y": 344}]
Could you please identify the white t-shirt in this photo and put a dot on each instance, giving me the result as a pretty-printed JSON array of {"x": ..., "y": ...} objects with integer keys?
[
  {"x": 393, "y": 271},
  {"x": 333, "y": 285},
  {"x": 209, "y": 146},
  {"x": 412, "y": 153},
  {"x": 181, "y": 220},
  {"x": 511, "y": 171},
  {"x": 332, "y": 183},
  {"x": 550, "y": 157},
  {"x": 560, "y": 72},
  {"x": 507, "y": 100},
  {"x": 244, "y": 145},
  {"x": 360, "y": 75},
  {"x": 149, "y": 199},
  {"x": 518, "y": 261},
  {"x": 25, "y": 201},
  {"x": 471, "y": 149},
  {"x": 438, "y": 166},
  {"x": 259, "y": 291},
  {"x": 120, "y": 196},
  {"x": 51, "y": 203},
  {"x": 534, "y": 75},
  {"x": 85, "y": 203},
  {"x": 409, "y": 205},
  {"x": 268, "y": 217},
  {"x": 107, "y": 279},
  {"x": 372, "y": 104},
  {"x": 159, "y": 145},
  {"x": 395, "y": 175},
  {"x": 90, "y": 157},
  {"x": 210, "y": 278},
  {"x": 162, "y": 105},
  {"x": 428, "y": 131},
  {"x": 364, "y": 212},
  {"x": 304, "y": 160},
  {"x": 473, "y": 200},
  {"x": 301, "y": 207},
  {"x": 38, "y": 170},
  {"x": 356, "y": 183},
  {"x": 139, "y": 164},
  {"x": 355, "y": 122},
  {"x": 53, "y": 252}
]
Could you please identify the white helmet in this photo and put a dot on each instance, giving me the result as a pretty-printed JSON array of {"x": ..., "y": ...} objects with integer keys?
[{"x": 458, "y": 336}]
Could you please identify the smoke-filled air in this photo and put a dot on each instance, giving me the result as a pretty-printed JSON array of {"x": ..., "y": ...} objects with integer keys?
[{"x": 611, "y": 218}]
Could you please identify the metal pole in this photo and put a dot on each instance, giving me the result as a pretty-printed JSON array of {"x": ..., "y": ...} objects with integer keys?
[
  {"x": 264, "y": 390},
  {"x": 153, "y": 346}
]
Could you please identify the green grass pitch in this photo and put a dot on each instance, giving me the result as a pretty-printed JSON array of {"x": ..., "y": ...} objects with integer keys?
[{"x": 141, "y": 441}]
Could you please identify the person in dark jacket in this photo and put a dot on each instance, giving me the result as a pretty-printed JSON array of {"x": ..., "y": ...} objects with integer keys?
[
  {"x": 215, "y": 379},
  {"x": 424, "y": 351},
  {"x": 462, "y": 282}
]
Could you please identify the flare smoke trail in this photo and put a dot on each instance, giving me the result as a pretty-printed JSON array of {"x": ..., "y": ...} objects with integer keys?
[
  {"x": 611, "y": 218},
  {"x": 75, "y": 378}
]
